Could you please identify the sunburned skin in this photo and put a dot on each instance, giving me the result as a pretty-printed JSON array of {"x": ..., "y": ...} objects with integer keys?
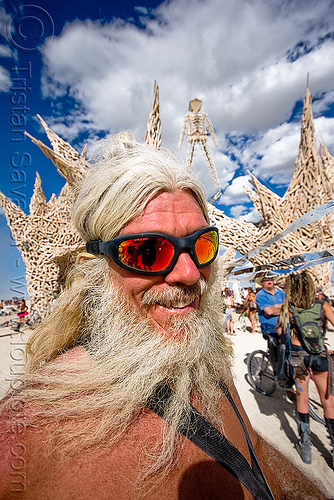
[{"x": 177, "y": 214}]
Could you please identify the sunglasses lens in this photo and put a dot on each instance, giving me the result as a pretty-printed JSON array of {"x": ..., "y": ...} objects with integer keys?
[
  {"x": 146, "y": 254},
  {"x": 206, "y": 247}
]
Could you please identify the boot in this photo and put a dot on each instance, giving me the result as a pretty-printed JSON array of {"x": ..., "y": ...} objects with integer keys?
[
  {"x": 330, "y": 428},
  {"x": 304, "y": 442}
]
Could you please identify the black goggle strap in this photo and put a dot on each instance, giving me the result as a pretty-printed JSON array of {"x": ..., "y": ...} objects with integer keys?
[
  {"x": 94, "y": 247},
  {"x": 203, "y": 434}
]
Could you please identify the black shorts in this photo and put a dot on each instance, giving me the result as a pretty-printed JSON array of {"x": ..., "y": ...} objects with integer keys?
[{"x": 317, "y": 363}]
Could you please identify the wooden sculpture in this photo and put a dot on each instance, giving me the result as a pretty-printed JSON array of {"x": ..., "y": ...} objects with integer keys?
[
  {"x": 46, "y": 238},
  {"x": 311, "y": 186},
  {"x": 200, "y": 128}
]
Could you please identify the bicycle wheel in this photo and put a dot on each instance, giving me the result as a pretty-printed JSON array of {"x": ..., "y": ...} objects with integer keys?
[{"x": 261, "y": 373}]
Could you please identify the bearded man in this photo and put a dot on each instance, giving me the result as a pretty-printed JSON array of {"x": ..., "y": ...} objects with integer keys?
[{"x": 140, "y": 319}]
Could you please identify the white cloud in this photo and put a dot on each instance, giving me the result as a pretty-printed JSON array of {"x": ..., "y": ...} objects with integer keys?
[
  {"x": 321, "y": 105},
  {"x": 235, "y": 192},
  {"x": 247, "y": 60},
  {"x": 324, "y": 131},
  {"x": 5, "y": 81},
  {"x": 5, "y": 51},
  {"x": 4, "y": 19},
  {"x": 271, "y": 156},
  {"x": 252, "y": 216},
  {"x": 238, "y": 210}
]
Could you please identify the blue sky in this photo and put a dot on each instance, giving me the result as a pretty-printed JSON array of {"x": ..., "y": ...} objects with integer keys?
[{"x": 89, "y": 69}]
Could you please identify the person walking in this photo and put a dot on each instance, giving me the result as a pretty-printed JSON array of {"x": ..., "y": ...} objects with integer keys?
[
  {"x": 250, "y": 303},
  {"x": 300, "y": 294},
  {"x": 230, "y": 311},
  {"x": 22, "y": 311}
]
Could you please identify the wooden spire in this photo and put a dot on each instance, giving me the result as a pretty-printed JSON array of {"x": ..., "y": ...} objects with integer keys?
[
  {"x": 153, "y": 133},
  {"x": 66, "y": 159}
]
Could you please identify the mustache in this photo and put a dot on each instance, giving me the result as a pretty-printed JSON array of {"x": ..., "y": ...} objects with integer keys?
[{"x": 175, "y": 293}]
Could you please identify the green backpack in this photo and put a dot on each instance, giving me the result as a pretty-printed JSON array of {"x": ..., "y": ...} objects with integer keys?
[{"x": 310, "y": 327}]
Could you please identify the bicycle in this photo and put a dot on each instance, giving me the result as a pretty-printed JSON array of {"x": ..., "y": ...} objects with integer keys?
[{"x": 262, "y": 378}]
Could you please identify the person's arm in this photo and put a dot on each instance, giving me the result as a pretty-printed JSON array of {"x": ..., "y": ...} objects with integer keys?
[
  {"x": 329, "y": 313},
  {"x": 274, "y": 310},
  {"x": 246, "y": 300},
  {"x": 286, "y": 481}
]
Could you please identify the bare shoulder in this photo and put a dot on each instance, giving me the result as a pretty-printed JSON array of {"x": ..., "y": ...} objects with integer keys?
[
  {"x": 12, "y": 452},
  {"x": 76, "y": 354},
  {"x": 286, "y": 481},
  {"x": 329, "y": 312},
  {"x": 17, "y": 437}
]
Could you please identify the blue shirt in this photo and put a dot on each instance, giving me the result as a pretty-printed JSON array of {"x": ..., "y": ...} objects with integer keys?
[{"x": 265, "y": 299}]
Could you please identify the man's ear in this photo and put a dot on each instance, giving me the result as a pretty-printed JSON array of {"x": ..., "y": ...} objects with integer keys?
[{"x": 83, "y": 256}]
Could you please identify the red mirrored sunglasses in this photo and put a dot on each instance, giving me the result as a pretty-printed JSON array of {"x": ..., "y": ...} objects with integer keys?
[{"x": 157, "y": 253}]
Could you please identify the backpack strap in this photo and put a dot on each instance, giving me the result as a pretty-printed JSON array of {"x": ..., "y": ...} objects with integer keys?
[{"x": 201, "y": 432}]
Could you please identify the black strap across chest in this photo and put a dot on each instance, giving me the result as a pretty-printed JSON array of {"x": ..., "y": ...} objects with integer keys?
[{"x": 199, "y": 431}]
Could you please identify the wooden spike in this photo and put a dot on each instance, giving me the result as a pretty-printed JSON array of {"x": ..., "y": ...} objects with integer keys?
[
  {"x": 153, "y": 133},
  {"x": 37, "y": 204},
  {"x": 70, "y": 169},
  {"x": 14, "y": 214}
]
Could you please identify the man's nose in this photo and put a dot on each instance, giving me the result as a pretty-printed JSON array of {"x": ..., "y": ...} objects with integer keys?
[{"x": 184, "y": 271}]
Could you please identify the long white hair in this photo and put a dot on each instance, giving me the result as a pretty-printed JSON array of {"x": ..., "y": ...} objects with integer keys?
[{"x": 124, "y": 177}]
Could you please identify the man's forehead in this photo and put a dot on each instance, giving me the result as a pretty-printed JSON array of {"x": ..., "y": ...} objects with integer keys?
[
  {"x": 167, "y": 212},
  {"x": 178, "y": 201}
]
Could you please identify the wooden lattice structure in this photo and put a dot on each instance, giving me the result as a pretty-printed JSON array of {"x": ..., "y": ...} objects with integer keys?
[
  {"x": 311, "y": 186},
  {"x": 49, "y": 243},
  {"x": 199, "y": 128},
  {"x": 46, "y": 238}
]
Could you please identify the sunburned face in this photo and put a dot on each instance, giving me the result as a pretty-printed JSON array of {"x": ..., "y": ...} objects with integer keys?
[
  {"x": 177, "y": 214},
  {"x": 268, "y": 285}
]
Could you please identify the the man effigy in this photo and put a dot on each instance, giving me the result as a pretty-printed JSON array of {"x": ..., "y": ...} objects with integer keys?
[{"x": 128, "y": 387}]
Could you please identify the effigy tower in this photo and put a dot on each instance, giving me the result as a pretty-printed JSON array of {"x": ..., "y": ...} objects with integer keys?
[
  {"x": 153, "y": 133},
  {"x": 49, "y": 243}
]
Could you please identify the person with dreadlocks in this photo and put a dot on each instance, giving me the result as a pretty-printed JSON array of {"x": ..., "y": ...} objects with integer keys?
[{"x": 300, "y": 294}]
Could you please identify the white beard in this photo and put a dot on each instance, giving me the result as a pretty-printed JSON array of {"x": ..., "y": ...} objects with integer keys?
[{"x": 129, "y": 359}]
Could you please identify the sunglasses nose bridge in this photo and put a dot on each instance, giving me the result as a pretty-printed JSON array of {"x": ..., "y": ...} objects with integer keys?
[{"x": 185, "y": 245}]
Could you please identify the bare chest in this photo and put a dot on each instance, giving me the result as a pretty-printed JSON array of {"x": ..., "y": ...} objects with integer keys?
[{"x": 117, "y": 472}]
